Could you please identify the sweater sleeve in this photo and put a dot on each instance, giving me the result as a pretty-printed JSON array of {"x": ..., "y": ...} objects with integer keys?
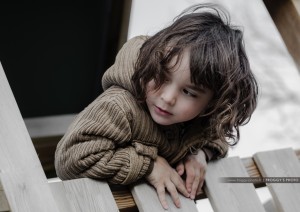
[
  {"x": 202, "y": 138},
  {"x": 218, "y": 148},
  {"x": 99, "y": 145}
]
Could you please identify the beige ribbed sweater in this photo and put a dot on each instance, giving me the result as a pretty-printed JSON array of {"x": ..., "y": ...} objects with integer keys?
[{"x": 115, "y": 139}]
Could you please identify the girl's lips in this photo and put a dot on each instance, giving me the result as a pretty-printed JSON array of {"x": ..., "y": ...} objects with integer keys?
[{"x": 161, "y": 111}]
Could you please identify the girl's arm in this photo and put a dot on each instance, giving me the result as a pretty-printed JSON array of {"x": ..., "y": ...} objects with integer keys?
[{"x": 99, "y": 145}]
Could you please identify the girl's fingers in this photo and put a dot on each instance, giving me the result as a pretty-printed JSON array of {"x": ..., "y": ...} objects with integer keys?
[
  {"x": 174, "y": 194},
  {"x": 199, "y": 187},
  {"x": 195, "y": 187},
  {"x": 197, "y": 184},
  {"x": 172, "y": 189},
  {"x": 194, "y": 180},
  {"x": 180, "y": 168},
  {"x": 178, "y": 182},
  {"x": 162, "y": 196},
  {"x": 190, "y": 178},
  {"x": 202, "y": 178}
]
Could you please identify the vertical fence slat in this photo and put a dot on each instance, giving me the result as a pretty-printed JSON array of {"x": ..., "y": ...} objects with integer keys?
[
  {"x": 231, "y": 197},
  {"x": 21, "y": 174},
  {"x": 147, "y": 200},
  {"x": 283, "y": 164},
  {"x": 83, "y": 195}
]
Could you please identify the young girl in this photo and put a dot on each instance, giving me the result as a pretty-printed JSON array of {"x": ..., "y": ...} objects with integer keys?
[{"x": 172, "y": 102}]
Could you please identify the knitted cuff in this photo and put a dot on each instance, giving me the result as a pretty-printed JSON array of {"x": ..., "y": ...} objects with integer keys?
[
  {"x": 150, "y": 168},
  {"x": 208, "y": 154}
]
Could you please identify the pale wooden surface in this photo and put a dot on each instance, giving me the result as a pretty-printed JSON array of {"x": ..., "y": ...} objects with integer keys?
[
  {"x": 281, "y": 163},
  {"x": 21, "y": 173},
  {"x": 48, "y": 126},
  {"x": 230, "y": 197},
  {"x": 84, "y": 194},
  {"x": 146, "y": 198},
  {"x": 125, "y": 200}
]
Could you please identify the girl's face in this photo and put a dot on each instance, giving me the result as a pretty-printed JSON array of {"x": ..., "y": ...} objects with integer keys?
[{"x": 177, "y": 100}]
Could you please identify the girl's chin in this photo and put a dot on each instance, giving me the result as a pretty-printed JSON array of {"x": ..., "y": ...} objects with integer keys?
[{"x": 161, "y": 121}]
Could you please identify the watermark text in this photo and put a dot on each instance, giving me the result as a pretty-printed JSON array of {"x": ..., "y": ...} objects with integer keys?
[{"x": 260, "y": 179}]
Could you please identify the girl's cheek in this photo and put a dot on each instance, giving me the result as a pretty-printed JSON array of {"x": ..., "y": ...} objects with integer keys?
[{"x": 150, "y": 86}]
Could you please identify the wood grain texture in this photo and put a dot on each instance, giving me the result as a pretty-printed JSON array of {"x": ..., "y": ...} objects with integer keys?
[
  {"x": 125, "y": 200},
  {"x": 147, "y": 200},
  {"x": 83, "y": 195},
  {"x": 286, "y": 16},
  {"x": 281, "y": 163},
  {"x": 230, "y": 197},
  {"x": 21, "y": 173}
]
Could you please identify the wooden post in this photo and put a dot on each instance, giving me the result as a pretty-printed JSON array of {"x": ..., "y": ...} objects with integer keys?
[
  {"x": 286, "y": 16},
  {"x": 21, "y": 174}
]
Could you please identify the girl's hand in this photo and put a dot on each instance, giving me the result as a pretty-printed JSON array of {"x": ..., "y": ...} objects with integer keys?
[
  {"x": 194, "y": 166},
  {"x": 162, "y": 177}
]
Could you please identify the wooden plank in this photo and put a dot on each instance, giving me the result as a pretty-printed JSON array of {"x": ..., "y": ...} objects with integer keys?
[
  {"x": 230, "y": 197},
  {"x": 125, "y": 200},
  {"x": 48, "y": 126},
  {"x": 83, "y": 195},
  {"x": 147, "y": 200},
  {"x": 21, "y": 173},
  {"x": 281, "y": 163},
  {"x": 286, "y": 16}
]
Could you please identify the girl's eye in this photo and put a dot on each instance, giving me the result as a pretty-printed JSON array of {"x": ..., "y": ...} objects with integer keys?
[
  {"x": 189, "y": 93},
  {"x": 167, "y": 80}
]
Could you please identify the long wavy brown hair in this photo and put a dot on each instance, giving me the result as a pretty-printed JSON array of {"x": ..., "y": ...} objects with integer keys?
[{"x": 218, "y": 61}]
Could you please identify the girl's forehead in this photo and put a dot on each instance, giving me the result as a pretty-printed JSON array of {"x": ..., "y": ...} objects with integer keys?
[{"x": 177, "y": 58}]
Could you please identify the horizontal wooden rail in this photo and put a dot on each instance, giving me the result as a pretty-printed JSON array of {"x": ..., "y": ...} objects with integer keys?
[
  {"x": 124, "y": 198},
  {"x": 126, "y": 203}
]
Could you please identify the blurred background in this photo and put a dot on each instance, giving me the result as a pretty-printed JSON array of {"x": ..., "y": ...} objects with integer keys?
[{"x": 54, "y": 56}]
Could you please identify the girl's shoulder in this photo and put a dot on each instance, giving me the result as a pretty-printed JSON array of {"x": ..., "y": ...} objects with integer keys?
[
  {"x": 137, "y": 40},
  {"x": 116, "y": 92},
  {"x": 118, "y": 97}
]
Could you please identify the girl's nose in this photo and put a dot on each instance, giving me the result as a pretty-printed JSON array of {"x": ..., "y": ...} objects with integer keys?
[{"x": 168, "y": 95}]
